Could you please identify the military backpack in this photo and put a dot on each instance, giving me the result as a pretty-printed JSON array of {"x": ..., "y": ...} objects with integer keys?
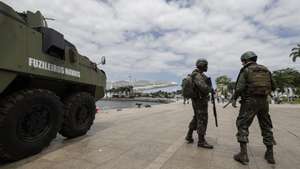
[
  {"x": 258, "y": 80},
  {"x": 188, "y": 87}
]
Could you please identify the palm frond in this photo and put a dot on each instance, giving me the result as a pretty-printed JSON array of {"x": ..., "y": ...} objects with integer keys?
[
  {"x": 295, "y": 57},
  {"x": 294, "y": 53}
]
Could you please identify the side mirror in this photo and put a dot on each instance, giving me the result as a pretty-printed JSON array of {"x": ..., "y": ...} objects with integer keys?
[{"x": 103, "y": 60}]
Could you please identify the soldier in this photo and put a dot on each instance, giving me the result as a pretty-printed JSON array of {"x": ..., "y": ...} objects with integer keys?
[
  {"x": 253, "y": 85},
  {"x": 200, "y": 105}
]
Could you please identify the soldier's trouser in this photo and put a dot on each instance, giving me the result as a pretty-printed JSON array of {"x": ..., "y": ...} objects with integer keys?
[
  {"x": 199, "y": 121},
  {"x": 256, "y": 106}
]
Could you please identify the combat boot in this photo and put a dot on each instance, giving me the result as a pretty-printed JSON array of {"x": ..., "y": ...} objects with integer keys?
[
  {"x": 202, "y": 143},
  {"x": 189, "y": 137},
  {"x": 269, "y": 155},
  {"x": 242, "y": 156}
]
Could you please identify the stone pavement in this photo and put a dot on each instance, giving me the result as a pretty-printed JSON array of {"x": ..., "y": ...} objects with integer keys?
[{"x": 153, "y": 138}]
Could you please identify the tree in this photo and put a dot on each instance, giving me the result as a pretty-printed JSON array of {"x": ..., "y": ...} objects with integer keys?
[
  {"x": 287, "y": 78},
  {"x": 222, "y": 85},
  {"x": 223, "y": 80},
  {"x": 295, "y": 53}
]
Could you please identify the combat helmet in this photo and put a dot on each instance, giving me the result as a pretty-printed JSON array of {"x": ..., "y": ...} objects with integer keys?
[
  {"x": 249, "y": 55},
  {"x": 201, "y": 62}
]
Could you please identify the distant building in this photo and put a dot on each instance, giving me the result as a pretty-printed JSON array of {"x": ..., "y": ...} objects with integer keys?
[{"x": 141, "y": 85}]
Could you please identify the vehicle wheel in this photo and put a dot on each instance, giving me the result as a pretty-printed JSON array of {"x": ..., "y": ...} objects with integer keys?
[
  {"x": 80, "y": 110},
  {"x": 29, "y": 120}
]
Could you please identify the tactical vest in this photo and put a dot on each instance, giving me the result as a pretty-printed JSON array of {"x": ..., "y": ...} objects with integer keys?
[
  {"x": 188, "y": 87},
  {"x": 258, "y": 80}
]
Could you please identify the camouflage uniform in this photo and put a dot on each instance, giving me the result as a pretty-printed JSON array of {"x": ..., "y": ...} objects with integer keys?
[
  {"x": 252, "y": 106},
  {"x": 253, "y": 85},
  {"x": 200, "y": 104},
  {"x": 201, "y": 89}
]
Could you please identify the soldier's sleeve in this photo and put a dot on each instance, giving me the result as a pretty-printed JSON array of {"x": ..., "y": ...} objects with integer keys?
[
  {"x": 240, "y": 85},
  {"x": 201, "y": 84}
]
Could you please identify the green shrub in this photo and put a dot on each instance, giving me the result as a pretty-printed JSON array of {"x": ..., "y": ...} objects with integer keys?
[{"x": 297, "y": 101}]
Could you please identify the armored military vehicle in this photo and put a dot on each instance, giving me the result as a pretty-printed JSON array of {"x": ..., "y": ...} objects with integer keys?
[{"x": 46, "y": 86}]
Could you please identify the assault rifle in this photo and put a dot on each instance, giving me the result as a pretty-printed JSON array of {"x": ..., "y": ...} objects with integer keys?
[{"x": 213, "y": 101}]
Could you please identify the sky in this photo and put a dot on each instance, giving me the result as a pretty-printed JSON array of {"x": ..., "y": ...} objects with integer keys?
[{"x": 162, "y": 39}]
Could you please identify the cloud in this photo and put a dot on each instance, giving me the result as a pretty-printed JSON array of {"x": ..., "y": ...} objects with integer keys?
[{"x": 158, "y": 38}]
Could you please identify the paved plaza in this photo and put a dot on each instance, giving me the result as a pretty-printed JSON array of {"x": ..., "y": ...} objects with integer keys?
[{"x": 153, "y": 138}]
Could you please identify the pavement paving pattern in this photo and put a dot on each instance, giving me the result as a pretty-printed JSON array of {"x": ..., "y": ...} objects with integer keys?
[{"x": 153, "y": 138}]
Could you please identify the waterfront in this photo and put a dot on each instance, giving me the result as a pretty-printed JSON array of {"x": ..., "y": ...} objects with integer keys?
[
  {"x": 121, "y": 103},
  {"x": 114, "y": 104}
]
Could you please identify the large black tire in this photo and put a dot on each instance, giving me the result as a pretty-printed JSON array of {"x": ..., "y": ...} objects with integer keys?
[
  {"x": 80, "y": 110},
  {"x": 29, "y": 120}
]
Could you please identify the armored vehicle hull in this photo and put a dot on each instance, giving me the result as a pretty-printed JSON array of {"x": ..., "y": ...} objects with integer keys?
[{"x": 46, "y": 86}]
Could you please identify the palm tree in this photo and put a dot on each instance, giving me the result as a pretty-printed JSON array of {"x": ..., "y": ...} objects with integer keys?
[
  {"x": 222, "y": 84},
  {"x": 286, "y": 78},
  {"x": 223, "y": 80},
  {"x": 295, "y": 52}
]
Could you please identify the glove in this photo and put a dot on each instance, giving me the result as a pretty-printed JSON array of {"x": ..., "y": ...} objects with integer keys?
[{"x": 233, "y": 103}]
